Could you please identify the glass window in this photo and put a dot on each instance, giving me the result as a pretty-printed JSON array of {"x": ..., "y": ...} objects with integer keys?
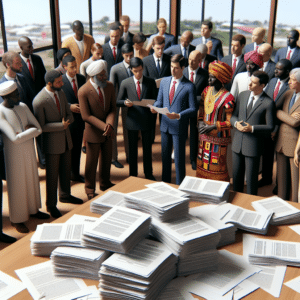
[
  {"x": 190, "y": 16},
  {"x": 131, "y": 8},
  {"x": 149, "y": 16},
  {"x": 47, "y": 57},
  {"x": 164, "y": 12}
]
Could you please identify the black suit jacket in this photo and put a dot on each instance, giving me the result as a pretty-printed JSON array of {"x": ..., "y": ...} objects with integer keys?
[
  {"x": 176, "y": 49},
  {"x": 108, "y": 55},
  {"x": 271, "y": 88},
  {"x": 127, "y": 40},
  {"x": 295, "y": 59},
  {"x": 270, "y": 69},
  {"x": 201, "y": 81},
  {"x": 138, "y": 118},
  {"x": 39, "y": 74},
  {"x": 208, "y": 59},
  {"x": 150, "y": 69}
]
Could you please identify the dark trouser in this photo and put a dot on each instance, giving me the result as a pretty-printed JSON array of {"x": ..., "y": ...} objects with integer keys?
[
  {"x": 193, "y": 139},
  {"x": 77, "y": 135},
  {"x": 41, "y": 154},
  {"x": 239, "y": 162},
  {"x": 58, "y": 166},
  {"x": 133, "y": 152},
  {"x": 268, "y": 159}
]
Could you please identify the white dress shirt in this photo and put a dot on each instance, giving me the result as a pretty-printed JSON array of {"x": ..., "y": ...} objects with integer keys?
[
  {"x": 156, "y": 59},
  {"x": 238, "y": 58},
  {"x": 194, "y": 75},
  {"x": 80, "y": 45},
  {"x": 111, "y": 47},
  {"x": 96, "y": 88},
  {"x": 51, "y": 94},
  {"x": 288, "y": 50},
  {"x": 71, "y": 80}
]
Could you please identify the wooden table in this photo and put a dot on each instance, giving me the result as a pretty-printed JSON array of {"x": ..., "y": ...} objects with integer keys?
[{"x": 18, "y": 255}]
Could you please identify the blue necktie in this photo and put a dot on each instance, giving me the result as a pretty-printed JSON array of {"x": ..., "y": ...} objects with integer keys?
[
  {"x": 158, "y": 66},
  {"x": 184, "y": 52},
  {"x": 292, "y": 101}
]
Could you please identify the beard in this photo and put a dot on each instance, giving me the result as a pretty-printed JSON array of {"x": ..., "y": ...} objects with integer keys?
[
  {"x": 12, "y": 102},
  {"x": 101, "y": 84},
  {"x": 56, "y": 89}
]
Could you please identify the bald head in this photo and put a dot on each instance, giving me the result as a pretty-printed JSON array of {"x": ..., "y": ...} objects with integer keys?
[
  {"x": 78, "y": 29},
  {"x": 26, "y": 46},
  {"x": 194, "y": 59},
  {"x": 203, "y": 49},
  {"x": 186, "y": 38},
  {"x": 266, "y": 51},
  {"x": 258, "y": 35}
]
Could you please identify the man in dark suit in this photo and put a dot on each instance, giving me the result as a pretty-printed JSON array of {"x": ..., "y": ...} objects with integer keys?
[
  {"x": 72, "y": 83},
  {"x": 207, "y": 39},
  {"x": 118, "y": 73},
  {"x": 236, "y": 59},
  {"x": 253, "y": 118},
  {"x": 258, "y": 36},
  {"x": 136, "y": 88},
  {"x": 269, "y": 66},
  {"x": 206, "y": 58},
  {"x": 127, "y": 35},
  {"x": 185, "y": 47},
  {"x": 178, "y": 94},
  {"x": 112, "y": 50},
  {"x": 52, "y": 110},
  {"x": 275, "y": 90},
  {"x": 199, "y": 77},
  {"x": 292, "y": 51}
]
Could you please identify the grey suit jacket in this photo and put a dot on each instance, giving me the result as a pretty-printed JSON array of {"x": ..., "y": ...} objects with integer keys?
[
  {"x": 117, "y": 74},
  {"x": 261, "y": 117},
  {"x": 56, "y": 139}
]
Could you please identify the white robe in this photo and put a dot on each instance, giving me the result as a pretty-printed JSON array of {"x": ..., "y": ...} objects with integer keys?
[{"x": 20, "y": 161}]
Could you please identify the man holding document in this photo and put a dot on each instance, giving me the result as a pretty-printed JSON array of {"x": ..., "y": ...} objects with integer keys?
[{"x": 132, "y": 91}]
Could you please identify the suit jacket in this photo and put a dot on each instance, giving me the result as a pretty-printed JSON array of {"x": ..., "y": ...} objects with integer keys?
[
  {"x": 201, "y": 81},
  {"x": 270, "y": 88},
  {"x": 289, "y": 128},
  {"x": 55, "y": 139},
  {"x": 295, "y": 59},
  {"x": 169, "y": 41},
  {"x": 150, "y": 69},
  {"x": 184, "y": 103},
  {"x": 176, "y": 49},
  {"x": 270, "y": 69},
  {"x": 118, "y": 73},
  {"x": 216, "y": 50},
  {"x": 108, "y": 55},
  {"x": 95, "y": 117},
  {"x": 39, "y": 73},
  {"x": 70, "y": 43},
  {"x": 249, "y": 48},
  {"x": 138, "y": 118},
  {"x": 69, "y": 92},
  {"x": 208, "y": 59},
  {"x": 127, "y": 40},
  {"x": 25, "y": 90},
  {"x": 261, "y": 117}
]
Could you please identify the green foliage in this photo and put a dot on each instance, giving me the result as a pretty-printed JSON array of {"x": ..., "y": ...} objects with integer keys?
[
  {"x": 149, "y": 28},
  {"x": 50, "y": 53}
]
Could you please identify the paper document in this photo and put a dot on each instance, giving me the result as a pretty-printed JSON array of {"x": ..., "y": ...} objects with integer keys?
[
  {"x": 144, "y": 102},
  {"x": 244, "y": 288},
  {"x": 94, "y": 294},
  {"x": 166, "y": 188},
  {"x": 294, "y": 284},
  {"x": 9, "y": 286},
  {"x": 81, "y": 219},
  {"x": 160, "y": 110}
]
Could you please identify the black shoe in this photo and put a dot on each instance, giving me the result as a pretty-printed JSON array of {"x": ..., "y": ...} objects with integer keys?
[
  {"x": 275, "y": 190},
  {"x": 117, "y": 164},
  {"x": 54, "y": 212},
  {"x": 20, "y": 227},
  {"x": 106, "y": 187},
  {"x": 42, "y": 166},
  {"x": 40, "y": 215},
  {"x": 77, "y": 178},
  {"x": 194, "y": 165},
  {"x": 264, "y": 182},
  {"x": 84, "y": 149},
  {"x": 71, "y": 199},
  {"x": 151, "y": 177},
  {"x": 6, "y": 238},
  {"x": 91, "y": 196}
]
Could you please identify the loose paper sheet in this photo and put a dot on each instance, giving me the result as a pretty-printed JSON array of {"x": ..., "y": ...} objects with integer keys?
[{"x": 9, "y": 286}]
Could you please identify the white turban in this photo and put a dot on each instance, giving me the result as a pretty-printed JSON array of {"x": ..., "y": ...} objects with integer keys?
[
  {"x": 296, "y": 73},
  {"x": 7, "y": 87},
  {"x": 96, "y": 67}
]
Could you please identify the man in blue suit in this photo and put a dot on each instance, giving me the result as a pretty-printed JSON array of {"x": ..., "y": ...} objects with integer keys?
[
  {"x": 206, "y": 29},
  {"x": 292, "y": 51},
  {"x": 177, "y": 94}
]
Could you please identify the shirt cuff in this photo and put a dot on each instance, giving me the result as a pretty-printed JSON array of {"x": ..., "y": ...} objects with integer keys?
[{"x": 252, "y": 129}]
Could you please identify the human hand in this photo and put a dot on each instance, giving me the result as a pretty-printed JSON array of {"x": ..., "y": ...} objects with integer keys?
[
  {"x": 153, "y": 110},
  {"x": 128, "y": 103},
  {"x": 203, "y": 129},
  {"x": 75, "y": 108},
  {"x": 243, "y": 126},
  {"x": 209, "y": 45},
  {"x": 173, "y": 116},
  {"x": 109, "y": 131},
  {"x": 296, "y": 115},
  {"x": 65, "y": 123},
  {"x": 273, "y": 136}
]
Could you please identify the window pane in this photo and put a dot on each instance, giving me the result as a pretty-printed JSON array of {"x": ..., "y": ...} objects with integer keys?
[
  {"x": 149, "y": 16},
  {"x": 190, "y": 17},
  {"x": 47, "y": 57},
  {"x": 164, "y": 12},
  {"x": 131, "y": 8}
]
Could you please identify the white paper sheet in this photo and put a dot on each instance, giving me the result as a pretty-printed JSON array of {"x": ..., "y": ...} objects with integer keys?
[
  {"x": 94, "y": 294},
  {"x": 9, "y": 286},
  {"x": 162, "y": 111},
  {"x": 144, "y": 102},
  {"x": 165, "y": 188},
  {"x": 81, "y": 219},
  {"x": 244, "y": 288},
  {"x": 294, "y": 284}
]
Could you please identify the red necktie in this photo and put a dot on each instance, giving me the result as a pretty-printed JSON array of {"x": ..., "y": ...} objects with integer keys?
[
  {"x": 234, "y": 65},
  {"x": 30, "y": 68},
  {"x": 114, "y": 53},
  {"x": 203, "y": 64},
  {"x": 57, "y": 102},
  {"x": 138, "y": 90},
  {"x": 276, "y": 90},
  {"x": 172, "y": 92},
  {"x": 256, "y": 48},
  {"x": 101, "y": 100},
  {"x": 74, "y": 87},
  {"x": 289, "y": 55},
  {"x": 192, "y": 77}
]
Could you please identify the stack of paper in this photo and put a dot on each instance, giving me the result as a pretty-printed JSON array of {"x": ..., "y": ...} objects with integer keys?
[
  {"x": 107, "y": 201},
  {"x": 206, "y": 214},
  {"x": 166, "y": 188},
  {"x": 47, "y": 237},
  {"x": 160, "y": 205},
  {"x": 284, "y": 213},
  {"x": 249, "y": 220},
  {"x": 192, "y": 240},
  {"x": 141, "y": 274},
  {"x": 205, "y": 190},
  {"x": 118, "y": 230},
  {"x": 78, "y": 262}
]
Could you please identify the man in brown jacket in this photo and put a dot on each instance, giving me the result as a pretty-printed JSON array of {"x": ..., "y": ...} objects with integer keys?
[
  {"x": 98, "y": 107},
  {"x": 289, "y": 115}
]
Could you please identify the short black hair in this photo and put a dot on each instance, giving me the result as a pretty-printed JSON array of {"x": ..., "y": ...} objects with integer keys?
[
  {"x": 67, "y": 59},
  {"x": 178, "y": 58},
  {"x": 136, "y": 62},
  {"x": 51, "y": 75},
  {"x": 286, "y": 63},
  {"x": 262, "y": 76},
  {"x": 296, "y": 32},
  {"x": 115, "y": 26},
  {"x": 139, "y": 38},
  {"x": 208, "y": 23},
  {"x": 126, "y": 48},
  {"x": 61, "y": 52}
]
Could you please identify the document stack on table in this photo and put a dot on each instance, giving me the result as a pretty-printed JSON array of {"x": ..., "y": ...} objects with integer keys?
[
  {"x": 192, "y": 240},
  {"x": 47, "y": 237},
  {"x": 140, "y": 274},
  {"x": 118, "y": 230},
  {"x": 166, "y": 188},
  {"x": 205, "y": 190},
  {"x": 284, "y": 213},
  {"x": 78, "y": 262},
  {"x": 160, "y": 205},
  {"x": 107, "y": 201},
  {"x": 206, "y": 214}
]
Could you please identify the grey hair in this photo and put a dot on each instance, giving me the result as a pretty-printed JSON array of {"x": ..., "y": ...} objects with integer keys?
[
  {"x": 202, "y": 48},
  {"x": 296, "y": 73}
]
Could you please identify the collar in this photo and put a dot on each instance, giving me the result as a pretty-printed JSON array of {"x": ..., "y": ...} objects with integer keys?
[
  {"x": 126, "y": 64},
  {"x": 256, "y": 97},
  {"x": 9, "y": 78},
  {"x": 195, "y": 71},
  {"x": 237, "y": 57},
  {"x": 111, "y": 46},
  {"x": 135, "y": 80},
  {"x": 25, "y": 58},
  {"x": 156, "y": 58},
  {"x": 77, "y": 40},
  {"x": 177, "y": 80},
  {"x": 52, "y": 94},
  {"x": 71, "y": 78},
  {"x": 95, "y": 85}
]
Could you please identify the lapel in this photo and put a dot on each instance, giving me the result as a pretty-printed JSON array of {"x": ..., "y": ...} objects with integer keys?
[
  {"x": 108, "y": 53},
  {"x": 133, "y": 89},
  {"x": 75, "y": 49},
  {"x": 144, "y": 89},
  {"x": 256, "y": 105},
  {"x": 68, "y": 86},
  {"x": 295, "y": 106},
  {"x": 295, "y": 56},
  {"x": 26, "y": 71},
  {"x": 283, "y": 89},
  {"x": 164, "y": 65},
  {"x": 166, "y": 92},
  {"x": 154, "y": 66},
  {"x": 85, "y": 44},
  {"x": 198, "y": 77},
  {"x": 123, "y": 71},
  {"x": 93, "y": 95},
  {"x": 239, "y": 65}
]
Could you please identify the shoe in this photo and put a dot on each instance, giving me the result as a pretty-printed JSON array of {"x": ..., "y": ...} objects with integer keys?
[
  {"x": 84, "y": 149},
  {"x": 42, "y": 166},
  {"x": 106, "y": 187},
  {"x": 78, "y": 178},
  {"x": 194, "y": 165},
  {"x": 275, "y": 190},
  {"x": 151, "y": 177},
  {"x": 6, "y": 238},
  {"x": 264, "y": 182},
  {"x": 117, "y": 164},
  {"x": 91, "y": 196},
  {"x": 40, "y": 215},
  {"x": 71, "y": 199},
  {"x": 20, "y": 227},
  {"x": 54, "y": 212}
]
